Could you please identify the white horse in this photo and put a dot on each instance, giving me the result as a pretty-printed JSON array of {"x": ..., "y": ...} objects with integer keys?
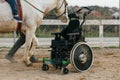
[{"x": 32, "y": 18}]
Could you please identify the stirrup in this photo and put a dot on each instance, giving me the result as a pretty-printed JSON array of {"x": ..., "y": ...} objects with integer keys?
[{"x": 16, "y": 17}]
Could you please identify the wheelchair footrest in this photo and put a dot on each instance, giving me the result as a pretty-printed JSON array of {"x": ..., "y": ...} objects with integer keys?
[{"x": 54, "y": 61}]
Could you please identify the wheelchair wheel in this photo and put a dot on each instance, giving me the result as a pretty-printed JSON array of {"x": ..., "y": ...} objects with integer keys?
[
  {"x": 45, "y": 67},
  {"x": 64, "y": 70},
  {"x": 81, "y": 56}
]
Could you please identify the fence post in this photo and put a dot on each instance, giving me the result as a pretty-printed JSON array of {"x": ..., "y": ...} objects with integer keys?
[{"x": 101, "y": 34}]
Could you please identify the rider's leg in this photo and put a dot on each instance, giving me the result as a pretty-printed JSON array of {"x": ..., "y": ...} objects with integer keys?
[
  {"x": 15, "y": 47},
  {"x": 14, "y": 6}
]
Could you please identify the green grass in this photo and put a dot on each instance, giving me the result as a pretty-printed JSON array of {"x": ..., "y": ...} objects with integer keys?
[{"x": 110, "y": 34}]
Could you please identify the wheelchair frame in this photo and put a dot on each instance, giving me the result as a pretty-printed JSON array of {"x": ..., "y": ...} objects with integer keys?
[{"x": 74, "y": 51}]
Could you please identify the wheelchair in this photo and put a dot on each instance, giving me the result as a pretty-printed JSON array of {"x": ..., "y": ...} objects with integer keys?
[{"x": 74, "y": 51}]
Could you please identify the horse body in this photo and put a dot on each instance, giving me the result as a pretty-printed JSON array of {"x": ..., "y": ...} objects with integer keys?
[
  {"x": 32, "y": 18},
  {"x": 30, "y": 14}
]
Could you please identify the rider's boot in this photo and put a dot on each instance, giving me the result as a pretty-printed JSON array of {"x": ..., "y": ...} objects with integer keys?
[
  {"x": 16, "y": 17},
  {"x": 10, "y": 58}
]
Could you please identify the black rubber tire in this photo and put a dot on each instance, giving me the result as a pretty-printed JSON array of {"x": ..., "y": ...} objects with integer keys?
[
  {"x": 64, "y": 70},
  {"x": 45, "y": 67},
  {"x": 81, "y": 50}
]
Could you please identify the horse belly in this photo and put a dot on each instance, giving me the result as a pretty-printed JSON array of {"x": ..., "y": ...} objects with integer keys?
[
  {"x": 6, "y": 27},
  {"x": 7, "y": 24}
]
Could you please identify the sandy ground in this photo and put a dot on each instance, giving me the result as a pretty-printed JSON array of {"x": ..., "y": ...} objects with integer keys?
[{"x": 106, "y": 66}]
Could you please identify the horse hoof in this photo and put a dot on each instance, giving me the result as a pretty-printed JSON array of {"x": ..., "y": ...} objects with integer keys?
[
  {"x": 33, "y": 59},
  {"x": 29, "y": 65}
]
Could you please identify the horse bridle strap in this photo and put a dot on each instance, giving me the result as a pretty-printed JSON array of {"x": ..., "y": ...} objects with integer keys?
[
  {"x": 44, "y": 12},
  {"x": 61, "y": 6},
  {"x": 34, "y": 6}
]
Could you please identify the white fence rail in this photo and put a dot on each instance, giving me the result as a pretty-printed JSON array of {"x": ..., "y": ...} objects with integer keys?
[
  {"x": 46, "y": 42},
  {"x": 100, "y": 41},
  {"x": 88, "y": 22}
]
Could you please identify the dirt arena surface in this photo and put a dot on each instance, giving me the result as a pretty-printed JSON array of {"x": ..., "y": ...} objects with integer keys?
[{"x": 106, "y": 66}]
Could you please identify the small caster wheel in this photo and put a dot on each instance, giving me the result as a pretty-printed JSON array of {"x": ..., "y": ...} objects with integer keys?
[
  {"x": 45, "y": 67},
  {"x": 65, "y": 70}
]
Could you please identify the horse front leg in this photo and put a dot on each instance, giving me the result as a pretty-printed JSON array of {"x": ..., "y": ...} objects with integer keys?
[
  {"x": 33, "y": 47},
  {"x": 28, "y": 43}
]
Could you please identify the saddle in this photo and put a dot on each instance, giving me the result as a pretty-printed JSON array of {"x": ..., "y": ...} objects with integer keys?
[{"x": 20, "y": 13}]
